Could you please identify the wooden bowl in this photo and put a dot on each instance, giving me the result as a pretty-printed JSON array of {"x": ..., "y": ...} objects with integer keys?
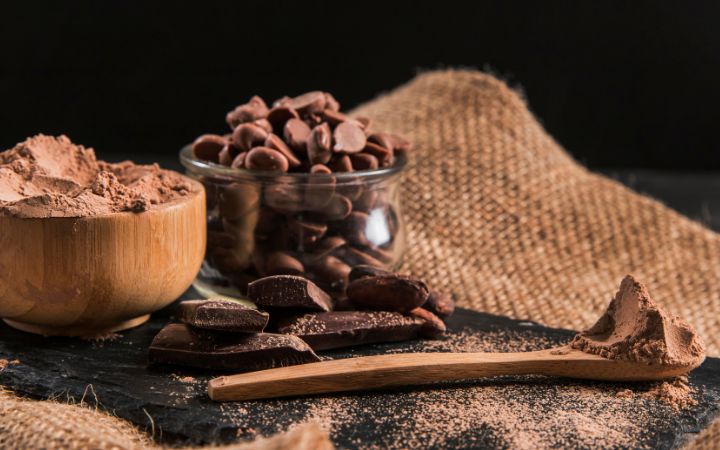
[{"x": 94, "y": 275}]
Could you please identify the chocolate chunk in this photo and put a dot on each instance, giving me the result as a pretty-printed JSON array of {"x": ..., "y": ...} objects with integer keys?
[
  {"x": 308, "y": 103},
  {"x": 274, "y": 142},
  {"x": 323, "y": 331},
  {"x": 364, "y": 161},
  {"x": 296, "y": 133},
  {"x": 331, "y": 103},
  {"x": 222, "y": 350},
  {"x": 439, "y": 304},
  {"x": 223, "y": 315},
  {"x": 288, "y": 291},
  {"x": 280, "y": 263},
  {"x": 340, "y": 164},
  {"x": 333, "y": 271},
  {"x": 349, "y": 138},
  {"x": 279, "y": 116},
  {"x": 208, "y": 147},
  {"x": 432, "y": 326},
  {"x": 363, "y": 270},
  {"x": 239, "y": 161},
  {"x": 384, "y": 156},
  {"x": 304, "y": 230},
  {"x": 247, "y": 136},
  {"x": 253, "y": 110},
  {"x": 266, "y": 160},
  {"x": 400, "y": 293},
  {"x": 318, "y": 144},
  {"x": 365, "y": 124}
]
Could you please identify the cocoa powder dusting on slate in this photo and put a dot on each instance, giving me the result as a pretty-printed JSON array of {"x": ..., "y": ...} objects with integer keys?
[{"x": 524, "y": 412}]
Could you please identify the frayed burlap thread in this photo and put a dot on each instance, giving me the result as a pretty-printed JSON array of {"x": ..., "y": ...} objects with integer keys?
[{"x": 503, "y": 219}]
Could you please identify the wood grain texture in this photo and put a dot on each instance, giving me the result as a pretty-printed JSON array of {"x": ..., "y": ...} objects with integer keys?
[
  {"x": 411, "y": 368},
  {"x": 93, "y": 273}
]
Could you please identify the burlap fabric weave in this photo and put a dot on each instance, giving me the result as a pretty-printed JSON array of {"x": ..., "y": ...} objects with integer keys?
[{"x": 500, "y": 217}]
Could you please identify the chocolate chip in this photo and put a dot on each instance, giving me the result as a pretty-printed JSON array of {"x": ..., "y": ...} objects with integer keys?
[
  {"x": 223, "y": 315},
  {"x": 239, "y": 161},
  {"x": 264, "y": 124},
  {"x": 384, "y": 156},
  {"x": 320, "y": 190},
  {"x": 439, "y": 304},
  {"x": 278, "y": 117},
  {"x": 378, "y": 253},
  {"x": 285, "y": 198},
  {"x": 288, "y": 291},
  {"x": 331, "y": 103},
  {"x": 318, "y": 144},
  {"x": 366, "y": 201},
  {"x": 308, "y": 103},
  {"x": 225, "y": 158},
  {"x": 237, "y": 200},
  {"x": 279, "y": 263},
  {"x": 296, "y": 133},
  {"x": 340, "y": 164},
  {"x": 338, "y": 208},
  {"x": 365, "y": 124},
  {"x": 253, "y": 110},
  {"x": 400, "y": 293},
  {"x": 354, "y": 228},
  {"x": 220, "y": 239},
  {"x": 362, "y": 271},
  {"x": 281, "y": 101},
  {"x": 208, "y": 147},
  {"x": 364, "y": 161},
  {"x": 247, "y": 136},
  {"x": 349, "y": 138},
  {"x": 267, "y": 222},
  {"x": 432, "y": 326},
  {"x": 274, "y": 142},
  {"x": 355, "y": 257},
  {"x": 328, "y": 244},
  {"x": 397, "y": 144},
  {"x": 222, "y": 350},
  {"x": 305, "y": 231},
  {"x": 228, "y": 261},
  {"x": 334, "y": 118},
  {"x": 333, "y": 271},
  {"x": 266, "y": 160}
]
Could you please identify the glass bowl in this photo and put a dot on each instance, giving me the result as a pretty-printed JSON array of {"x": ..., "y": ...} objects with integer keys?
[{"x": 317, "y": 226}]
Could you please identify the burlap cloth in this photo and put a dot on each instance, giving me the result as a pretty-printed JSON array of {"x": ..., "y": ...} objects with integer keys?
[{"x": 502, "y": 218}]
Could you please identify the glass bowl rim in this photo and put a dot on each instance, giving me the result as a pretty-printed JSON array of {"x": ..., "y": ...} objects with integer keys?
[{"x": 208, "y": 168}]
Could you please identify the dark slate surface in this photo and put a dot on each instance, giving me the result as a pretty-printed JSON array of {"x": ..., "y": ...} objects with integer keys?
[{"x": 181, "y": 410}]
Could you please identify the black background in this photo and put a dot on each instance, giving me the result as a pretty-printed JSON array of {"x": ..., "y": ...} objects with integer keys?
[{"x": 619, "y": 84}]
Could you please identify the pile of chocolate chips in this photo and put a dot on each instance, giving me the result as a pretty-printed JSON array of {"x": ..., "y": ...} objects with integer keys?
[
  {"x": 301, "y": 134},
  {"x": 380, "y": 306}
]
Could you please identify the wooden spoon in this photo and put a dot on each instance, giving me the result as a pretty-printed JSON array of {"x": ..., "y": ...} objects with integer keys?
[{"x": 410, "y": 368}]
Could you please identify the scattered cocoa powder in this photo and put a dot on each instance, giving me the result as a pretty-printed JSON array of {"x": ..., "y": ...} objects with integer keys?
[
  {"x": 675, "y": 393},
  {"x": 101, "y": 338},
  {"x": 52, "y": 177}
]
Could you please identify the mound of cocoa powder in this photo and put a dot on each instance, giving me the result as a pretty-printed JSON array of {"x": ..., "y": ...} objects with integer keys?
[
  {"x": 47, "y": 176},
  {"x": 635, "y": 328}
]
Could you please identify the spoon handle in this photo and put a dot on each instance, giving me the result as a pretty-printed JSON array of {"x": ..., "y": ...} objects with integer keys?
[{"x": 398, "y": 369}]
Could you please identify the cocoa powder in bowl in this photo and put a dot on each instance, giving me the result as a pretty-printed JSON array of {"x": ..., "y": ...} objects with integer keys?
[{"x": 52, "y": 177}]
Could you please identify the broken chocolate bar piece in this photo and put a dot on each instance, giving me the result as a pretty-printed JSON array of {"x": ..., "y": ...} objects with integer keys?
[
  {"x": 224, "y": 315},
  {"x": 323, "y": 331},
  {"x": 239, "y": 352},
  {"x": 288, "y": 291}
]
